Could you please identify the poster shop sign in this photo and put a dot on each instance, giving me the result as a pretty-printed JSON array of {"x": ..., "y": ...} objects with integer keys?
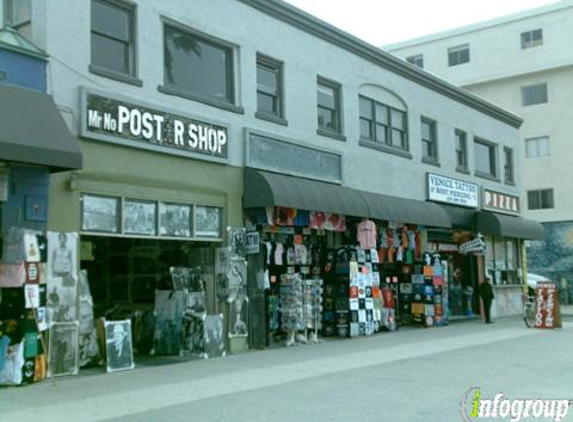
[
  {"x": 452, "y": 191},
  {"x": 133, "y": 124}
]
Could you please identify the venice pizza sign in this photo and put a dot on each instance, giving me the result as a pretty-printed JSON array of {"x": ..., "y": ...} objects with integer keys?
[{"x": 132, "y": 124}]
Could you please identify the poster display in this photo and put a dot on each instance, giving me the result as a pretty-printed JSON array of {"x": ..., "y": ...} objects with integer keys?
[
  {"x": 62, "y": 254},
  {"x": 119, "y": 349},
  {"x": 63, "y": 349},
  {"x": 139, "y": 217},
  {"x": 214, "y": 343}
]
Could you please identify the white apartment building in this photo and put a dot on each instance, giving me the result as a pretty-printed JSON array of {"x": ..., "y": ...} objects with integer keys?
[{"x": 523, "y": 62}]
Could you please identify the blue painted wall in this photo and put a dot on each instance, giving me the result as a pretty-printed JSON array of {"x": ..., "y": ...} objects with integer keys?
[
  {"x": 553, "y": 257},
  {"x": 27, "y": 204},
  {"x": 23, "y": 70}
]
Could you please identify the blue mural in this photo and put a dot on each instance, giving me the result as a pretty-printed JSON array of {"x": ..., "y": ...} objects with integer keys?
[{"x": 553, "y": 257}]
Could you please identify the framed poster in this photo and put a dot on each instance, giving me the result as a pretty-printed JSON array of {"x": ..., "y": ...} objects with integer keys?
[
  {"x": 63, "y": 351},
  {"x": 237, "y": 242},
  {"x": 208, "y": 221},
  {"x": 214, "y": 343},
  {"x": 100, "y": 214},
  {"x": 118, "y": 345},
  {"x": 174, "y": 220},
  {"x": 139, "y": 217}
]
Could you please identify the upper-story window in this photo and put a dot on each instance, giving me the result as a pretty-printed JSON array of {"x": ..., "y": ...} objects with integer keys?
[
  {"x": 113, "y": 37},
  {"x": 270, "y": 102},
  {"x": 508, "y": 166},
  {"x": 540, "y": 199},
  {"x": 537, "y": 147},
  {"x": 530, "y": 39},
  {"x": 534, "y": 94},
  {"x": 429, "y": 140},
  {"x": 198, "y": 66},
  {"x": 485, "y": 154},
  {"x": 417, "y": 60},
  {"x": 18, "y": 15},
  {"x": 383, "y": 124},
  {"x": 461, "y": 150},
  {"x": 328, "y": 107},
  {"x": 458, "y": 55}
]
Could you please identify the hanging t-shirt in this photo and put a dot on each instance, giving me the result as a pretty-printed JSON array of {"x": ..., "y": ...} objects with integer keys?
[
  {"x": 366, "y": 234},
  {"x": 279, "y": 254}
]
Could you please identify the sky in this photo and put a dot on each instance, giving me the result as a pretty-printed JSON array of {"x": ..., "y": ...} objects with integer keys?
[{"x": 383, "y": 22}]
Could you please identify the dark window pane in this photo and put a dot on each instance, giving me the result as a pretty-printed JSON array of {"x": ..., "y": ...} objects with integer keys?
[
  {"x": 398, "y": 138},
  {"x": 382, "y": 133},
  {"x": 366, "y": 129},
  {"x": 366, "y": 108},
  {"x": 327, "y": 119},
  {"x": 398, "y": 119},
  {"x": 266, "y": 103},
  {"x": 267, "y": 79},
  {"x": 326, "y": 97},
  {"x": 198, "y": 66},
  {"x": 381, "y": 114},
  {"x": 485, "y": 159},
  {"x": 110, "y": 53},
  {"x": 110, "y": 20}
]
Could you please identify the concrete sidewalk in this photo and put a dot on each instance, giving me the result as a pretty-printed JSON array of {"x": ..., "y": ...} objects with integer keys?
[{"x": 104, "y": 396}]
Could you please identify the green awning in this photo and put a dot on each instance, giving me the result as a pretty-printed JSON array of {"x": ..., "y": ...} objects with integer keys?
[
  {"x": 495, "y": 224},
  {"x": 264, "y": 189},
  {"x": 33, "y": 131}
]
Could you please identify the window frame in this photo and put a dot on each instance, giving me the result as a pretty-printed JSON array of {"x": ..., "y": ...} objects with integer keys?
[
  {"x": 456, "y": 53},
  {"x": 531, "y": 42},
  {"x": 336, "y": 87},
  {"x": 169, "y": 88},
  {"x": 277, "y": 67},
  {"x": 536, "y": 139},
  {"x": 539, "y": 199},
  {"x": 389, "y": 126},
  {"x": 509, "y": 166},
  {"x": 131, "y": 76},
  {"x": 433, "y": 142},
  {"x": 461, "y": 150},
  {"x": 493, "y": 161},
  {"x": 416, "y": 60},
  {"x": 8, "y": 11},
  {"x": 524, "y": 90}
]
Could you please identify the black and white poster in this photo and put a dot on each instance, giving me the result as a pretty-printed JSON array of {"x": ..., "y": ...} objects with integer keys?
[
  {"x": 139, "y": 217},
  {"x": 237, "y": 242},
  {"x": 174, "y": 220},
  {"x": 252, "y": 242},
  {"x": 169, "y": 313},
  {"x": 62, "y": 300},
  {"x": 63, "y": 349},
  {"x": 62, "y": 254},
  {"x": 238, "y": 314},
  {"x": 222, "y": 259},
  {"x": 88, "y": 345},
  {"x": 118, "y": 345},
  {"x": 207, "y": 221},
  {"x": 187, "y": 278},
  {"x": 100, "y": 214},
  {"x": 214, "y": 344}
]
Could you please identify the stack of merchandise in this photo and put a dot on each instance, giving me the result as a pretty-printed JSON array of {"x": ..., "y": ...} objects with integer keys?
[{"x": 23, "y": 307}]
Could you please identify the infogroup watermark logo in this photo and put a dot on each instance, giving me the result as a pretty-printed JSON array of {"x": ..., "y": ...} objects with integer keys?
[{"x": 474, "y": 407}]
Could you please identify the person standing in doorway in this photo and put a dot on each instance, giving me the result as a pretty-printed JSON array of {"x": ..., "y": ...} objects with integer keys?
[{"x": 486, "y": 294}]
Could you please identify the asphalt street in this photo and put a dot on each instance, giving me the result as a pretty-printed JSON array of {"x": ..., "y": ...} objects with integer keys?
[{"x": 411, "y": 375}]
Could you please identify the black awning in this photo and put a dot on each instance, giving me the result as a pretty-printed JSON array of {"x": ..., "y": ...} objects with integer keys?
[
  {"x": 33, "y": 131},
  {"x": 263, "y": 189},
  {"x": 509, "y": 226},
  {"x": 404, "y": 210},
  {"x": 461, "y": 218}
]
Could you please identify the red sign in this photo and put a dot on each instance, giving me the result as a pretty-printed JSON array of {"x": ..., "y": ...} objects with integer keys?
[{"x": 546, "y": 306}]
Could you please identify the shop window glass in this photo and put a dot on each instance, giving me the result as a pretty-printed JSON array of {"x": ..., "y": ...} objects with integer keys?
[
  {"x": 112, "y": 36},
  {"x": 198, "y": 65},
  {"x": 500, "y": 254},
  {"x": 512, "y": 255}
]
